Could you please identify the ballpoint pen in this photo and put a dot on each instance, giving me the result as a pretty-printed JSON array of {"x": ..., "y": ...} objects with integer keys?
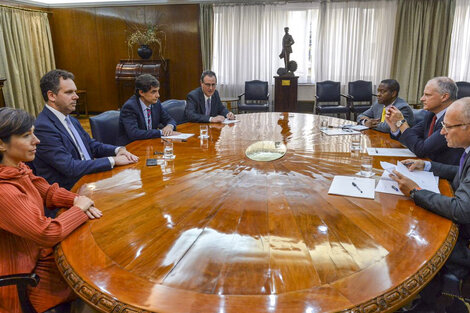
[
  {"x": 376, "y": 151},
  {"x": 355, "y": 185},
  {"x": 395, "y": 188}
]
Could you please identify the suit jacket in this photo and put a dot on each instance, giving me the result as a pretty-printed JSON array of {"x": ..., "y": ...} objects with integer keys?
[
  {"x": 433, "y": 147},
  {"x": 455, "y": 208},
  {"x": 196, "y": 107},
  {"x": 375, "y": 112},
  {"x": 57, "y": 157},
  {"x": 133, "y": 123}
]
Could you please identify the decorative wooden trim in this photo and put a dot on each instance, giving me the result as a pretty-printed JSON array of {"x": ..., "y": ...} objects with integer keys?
[
  {"x": 387, "y": 302},
  {"x": 396, "y": 298}
]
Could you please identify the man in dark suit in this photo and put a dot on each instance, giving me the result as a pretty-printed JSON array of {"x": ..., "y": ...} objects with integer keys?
[
  {"x": 203, "y": 104},
  {"x": 142, "y": 114},
  {"x": 424, "y": 139},
  {"x": 66, "y": 151},
  {"x": 456, "y": 129},
  {"x": 387, "y": 96}
]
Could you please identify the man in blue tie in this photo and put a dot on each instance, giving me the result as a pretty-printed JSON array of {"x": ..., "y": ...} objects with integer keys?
[
  {"x": 142, "y": 113},
  {"x": 456, "y": 129},
  {"x": 66, "y": 151},
  {"x": 203, "y": 104}
]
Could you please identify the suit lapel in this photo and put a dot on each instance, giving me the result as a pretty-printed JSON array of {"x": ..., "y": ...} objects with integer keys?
[
  {"x": 202, "y": 102},
  {"x": 55, "y": 121}
]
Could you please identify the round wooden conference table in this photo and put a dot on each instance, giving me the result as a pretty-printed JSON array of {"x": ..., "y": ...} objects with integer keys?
[{"x": 213, "y": 231}]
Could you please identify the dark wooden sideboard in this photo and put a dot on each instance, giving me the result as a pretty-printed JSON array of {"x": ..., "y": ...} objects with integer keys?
[{"x": 128, "y": 70}]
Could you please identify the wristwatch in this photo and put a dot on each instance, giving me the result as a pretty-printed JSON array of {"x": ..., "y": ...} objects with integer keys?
[
  {"x": 399, "y": 123},
  {"x": 412, "y": 192}
]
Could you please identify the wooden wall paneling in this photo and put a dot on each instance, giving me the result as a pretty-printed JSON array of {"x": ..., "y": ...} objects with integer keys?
[{"x": 90, "y": 42}]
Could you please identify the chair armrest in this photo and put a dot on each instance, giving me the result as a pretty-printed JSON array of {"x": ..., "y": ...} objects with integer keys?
[
  {"x": 347, "y": 96},
  {"x": 374, "y": 95},
  {"x": 240, "y": 98},
  {"x": 267, "y": 95},
  {"x": 20, "y": 279}
]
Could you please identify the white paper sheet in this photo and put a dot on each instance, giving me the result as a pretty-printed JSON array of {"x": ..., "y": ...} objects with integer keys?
[
  {"x": 399, "y": 152},
  {"x": 388, "y": 185},
  {"x": 227, "y": 121},
  {"x": 344, "y": 186},
  {"x": 359, "y": 127},
  {"x": 425, "y": 180},
  {"x": 180, "y": 136},
  {"x": 340, "y": 131}
]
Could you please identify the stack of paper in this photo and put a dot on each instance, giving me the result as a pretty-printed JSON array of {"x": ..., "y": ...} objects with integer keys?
[
  {"x": 353, "y": 187},
  {"x": 340, "y": 131},
  {"x": 425, "y": 180},
  {"x": 399, "y": 152},
  {"x": 227, "y": 121},
  {"x": 179, "y": 136}
]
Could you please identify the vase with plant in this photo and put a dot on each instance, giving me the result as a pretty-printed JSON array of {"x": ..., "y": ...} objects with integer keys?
[{"x": 148, "y": 37}]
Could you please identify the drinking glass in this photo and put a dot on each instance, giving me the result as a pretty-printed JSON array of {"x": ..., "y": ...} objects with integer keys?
[
  {"x": 323, "y": 124},
  {"x": 366, "y": 166},
  {"x": 355, "y": 143},
  {"x": 204, "y": 131},
  {"x": 168, "y": 150}
]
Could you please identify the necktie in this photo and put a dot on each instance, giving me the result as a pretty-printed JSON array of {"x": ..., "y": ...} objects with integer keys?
[
  {"x": 78, "y": 139},
  {"x": 208, "y": 107},
  {"x": 462, "y": 162},
  {"x": 149, "y": 118},
  {"x": 431, "y": 128}
]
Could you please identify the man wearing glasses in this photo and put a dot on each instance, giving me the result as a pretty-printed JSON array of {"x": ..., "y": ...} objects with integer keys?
[
  {"x": 203, "y": 104},
  {"x": 456, "y": 129},
  {"x": 424, "y": 139}
]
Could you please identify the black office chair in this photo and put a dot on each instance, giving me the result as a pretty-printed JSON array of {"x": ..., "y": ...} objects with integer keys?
[
  {"x": 105, "y": 127},
  {"x": 329, "y": 92},
  {"x": 22, "y": 281},
  {"x": 256, "y": 97},
  {"x": 359, "y": 91},
  {"x": 464, "y": 89},
  {"x": 418, "y": 115},
  {"x": 176, "y": 110}
]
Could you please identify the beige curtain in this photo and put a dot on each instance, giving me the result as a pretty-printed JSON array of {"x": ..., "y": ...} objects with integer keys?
[
  {"x": 422, "y": 44},
  {"x": 26, "y": 54},
  {"x": 206, "y": 26}
]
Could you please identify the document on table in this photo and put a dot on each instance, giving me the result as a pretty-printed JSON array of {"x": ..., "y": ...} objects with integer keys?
[
  {"x": 359, "y": 127},
  {"x": 388, "y": 185},
  {"x": 353, "y": 187},
  {"x": 227, "y": 121},
  {"x": 425, "y": 180},
  {"x": 399, "y": 152},
  {"x": 339, "y": 131},
  {"x": 180, "y": 136}
]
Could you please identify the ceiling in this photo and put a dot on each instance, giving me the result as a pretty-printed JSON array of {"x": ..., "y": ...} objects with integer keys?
[{"x": 94, "y": 3}]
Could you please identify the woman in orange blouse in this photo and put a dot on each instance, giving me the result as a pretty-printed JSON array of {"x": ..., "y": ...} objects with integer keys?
[{"x": 26, "y": 235}]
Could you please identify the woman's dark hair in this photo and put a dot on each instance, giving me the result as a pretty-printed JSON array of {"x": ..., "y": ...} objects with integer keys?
[{"x": 13, "y": 122}]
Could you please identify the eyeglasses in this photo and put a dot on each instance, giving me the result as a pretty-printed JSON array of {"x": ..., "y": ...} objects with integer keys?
[
  {"x": 447, "y": 127},
  {"x": 209, "y": 85}
]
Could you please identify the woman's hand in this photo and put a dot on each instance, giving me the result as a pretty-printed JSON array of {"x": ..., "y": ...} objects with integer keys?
[{"x": 87, "y": 206}]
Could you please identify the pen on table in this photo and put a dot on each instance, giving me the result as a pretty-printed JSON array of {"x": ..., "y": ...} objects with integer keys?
[
  {"x": 376, "y": 151},
  {"x": 395, "y": 188},
  {"x": 164, "y": 139},
  {"x": 355, "y": 185}
]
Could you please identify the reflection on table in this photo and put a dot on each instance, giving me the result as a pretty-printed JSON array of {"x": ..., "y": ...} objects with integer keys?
[{"x": 213, "y": 231}]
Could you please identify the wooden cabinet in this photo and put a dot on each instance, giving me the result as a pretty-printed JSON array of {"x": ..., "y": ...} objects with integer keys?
[
  {"x": 285, "y": 93},
  {"x": 128, "y": 70}
]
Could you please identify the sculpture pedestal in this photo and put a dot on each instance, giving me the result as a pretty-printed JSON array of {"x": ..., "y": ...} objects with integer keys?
[{"x": 285, "y": 93}]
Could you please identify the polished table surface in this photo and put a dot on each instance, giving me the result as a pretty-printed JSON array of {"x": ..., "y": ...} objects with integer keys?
[{"x": 213, "y": 231}]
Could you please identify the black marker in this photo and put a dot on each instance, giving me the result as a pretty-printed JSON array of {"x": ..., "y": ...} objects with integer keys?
[{"x": 354, "y": 184}]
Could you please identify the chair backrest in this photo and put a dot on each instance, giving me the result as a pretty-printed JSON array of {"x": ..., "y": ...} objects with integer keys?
[
  {"x": 105, "y": 127},
  {"x": 464, "y": 89},
  {"x": 176, "y": 110},
  {"x": 360, "y": 90},
  {"x": 419, "y": 115},
  {"x": 328, "y": 91},
  {"x": 256, "y": 90}
]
